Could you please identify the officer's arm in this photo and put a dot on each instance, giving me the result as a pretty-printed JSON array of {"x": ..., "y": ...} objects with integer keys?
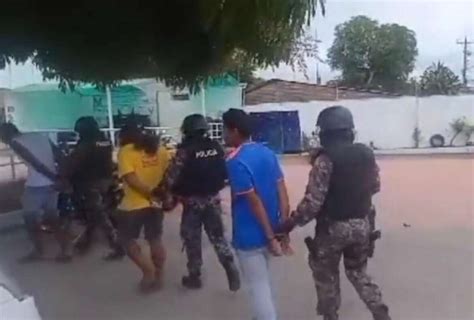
[
  {"x": 316, "y": 191},
  {"x": 173, "y": 172},
  {"x": 376, "y": 180},
  {"x": 72, "y": 162}
]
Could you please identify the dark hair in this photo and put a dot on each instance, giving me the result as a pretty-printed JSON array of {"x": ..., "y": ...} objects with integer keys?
[
  {"x": 8, "y": 131},
  {"x": 332, "y": 137},
  {"x": 239, "y": 120},
  {"x": 131, "y": 133},
  {"x": 88, "y": 129}
]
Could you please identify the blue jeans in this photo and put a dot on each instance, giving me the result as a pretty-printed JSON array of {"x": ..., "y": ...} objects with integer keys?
[
  {"x": 255, "y": 269},
  {"x": 38, "y": 202}
]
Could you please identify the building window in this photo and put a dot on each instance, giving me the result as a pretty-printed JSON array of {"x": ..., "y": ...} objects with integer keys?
[{"x": 180, "y": 96}]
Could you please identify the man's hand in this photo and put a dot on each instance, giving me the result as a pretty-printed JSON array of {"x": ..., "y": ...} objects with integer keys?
[
  {"x": 274, "y": 247},
  {"x": 285, "y": 246},
  {"x": 169, "y": 202}
]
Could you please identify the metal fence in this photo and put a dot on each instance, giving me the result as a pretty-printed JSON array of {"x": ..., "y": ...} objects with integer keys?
[{"x": 167, "y": 134}]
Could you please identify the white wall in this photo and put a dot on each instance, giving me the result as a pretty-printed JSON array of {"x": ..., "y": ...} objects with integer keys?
[{"x": 389, "y": 123}]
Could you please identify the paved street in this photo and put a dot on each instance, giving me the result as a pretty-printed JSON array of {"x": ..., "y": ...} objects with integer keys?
[{"x": 424, "y": 261}]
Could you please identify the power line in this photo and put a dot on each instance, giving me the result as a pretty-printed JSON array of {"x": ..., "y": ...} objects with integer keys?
[{"x": 466, "y": 54}]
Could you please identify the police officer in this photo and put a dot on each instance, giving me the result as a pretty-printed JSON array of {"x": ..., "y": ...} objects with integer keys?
[
  {"x": 196, "y": 175},
  {"x": 339, "y": 195},
  {"x": 89, "y": 169}
]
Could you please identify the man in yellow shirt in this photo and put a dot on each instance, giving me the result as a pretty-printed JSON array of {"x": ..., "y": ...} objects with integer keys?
[{"x": 142, "y": 164}]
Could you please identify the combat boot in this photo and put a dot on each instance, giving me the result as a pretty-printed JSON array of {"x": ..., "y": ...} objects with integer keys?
[
  {"x": 192, "y": 281},
  {"x": 332, "y": 316},
  {"x": 232, "y": 276}
]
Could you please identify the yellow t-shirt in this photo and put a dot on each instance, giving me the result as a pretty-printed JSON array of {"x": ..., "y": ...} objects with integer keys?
[{"x": 149, "y": 170}]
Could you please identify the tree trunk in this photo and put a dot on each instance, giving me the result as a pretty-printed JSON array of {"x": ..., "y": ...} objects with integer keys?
[{"x": 371, "y": 77}]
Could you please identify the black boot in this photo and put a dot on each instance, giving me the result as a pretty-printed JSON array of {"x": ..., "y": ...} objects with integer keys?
[
  {"x": 381, "y": 313},
  {"x": 116, "y": 252},
  {"x": 193, "y": 281},
  {"x": 232, "y": 276},
  {"x": 83, "y": 242},
  {"x": 332, "y": 316}
]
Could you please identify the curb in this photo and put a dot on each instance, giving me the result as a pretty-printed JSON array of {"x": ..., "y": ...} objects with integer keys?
[
  {"x": 427, "y": 151},
  {"x": 408, "y": 151},
  {"x": 11, "y": 221}
]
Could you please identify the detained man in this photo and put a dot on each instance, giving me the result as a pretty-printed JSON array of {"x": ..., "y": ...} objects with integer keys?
[
  {"x": 259, "y": 204},
  {"x": 40, "y": 197},
  {"x": 142, "y": 164}
]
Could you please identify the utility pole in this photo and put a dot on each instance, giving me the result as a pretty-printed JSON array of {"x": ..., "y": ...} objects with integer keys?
[{"x": 466, "y": 54}]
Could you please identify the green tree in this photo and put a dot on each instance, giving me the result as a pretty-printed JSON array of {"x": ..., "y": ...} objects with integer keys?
[
  {"x": 372, "y": 55},
  {"x": 439, "y": 79},
  {"x": 181, "y": 41},
  {"x": 297, "y": 51}
]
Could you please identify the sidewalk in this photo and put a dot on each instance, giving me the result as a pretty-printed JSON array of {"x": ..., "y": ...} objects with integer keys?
[{"x": 427, "y": 151}]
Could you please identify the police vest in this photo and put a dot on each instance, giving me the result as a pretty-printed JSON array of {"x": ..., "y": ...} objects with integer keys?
[
  {"x": 97, "y": 161},
  {"x": 204, "y": 171},
  {"x": 350, "y": 189}
]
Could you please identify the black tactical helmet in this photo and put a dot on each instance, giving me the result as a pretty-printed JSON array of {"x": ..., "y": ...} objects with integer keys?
[
  {"x": 194, "y": 123},
  {"x": 335, "y": 118},
  {"x": 86, "y": 124}
]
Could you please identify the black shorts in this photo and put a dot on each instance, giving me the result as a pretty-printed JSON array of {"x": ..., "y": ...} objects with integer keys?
[{"x": 130, "y": 224}]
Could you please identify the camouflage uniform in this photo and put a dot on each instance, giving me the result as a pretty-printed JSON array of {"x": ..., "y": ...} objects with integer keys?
[
  {"x": 336, "y": 239},
  {"x": 90, "y": 187},
  {"x": 198, "y": 212},
  {"x": 90, "y": 201}
]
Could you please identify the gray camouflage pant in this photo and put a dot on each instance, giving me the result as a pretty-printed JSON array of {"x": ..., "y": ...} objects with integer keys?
[
  {"x": 207, "y": 215},
  {"x": 348, "y": 239},
  {"x": 91, "y": 201}
]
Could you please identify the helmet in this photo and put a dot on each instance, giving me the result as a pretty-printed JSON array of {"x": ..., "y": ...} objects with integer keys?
[
  {"x": 86, "y": 126},
  {"x": 194, "y": 123},
  {"x": 335, "y": 118}
]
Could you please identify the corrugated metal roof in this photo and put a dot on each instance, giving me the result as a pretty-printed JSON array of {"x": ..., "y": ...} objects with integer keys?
[{"x": 278, "y": 91}]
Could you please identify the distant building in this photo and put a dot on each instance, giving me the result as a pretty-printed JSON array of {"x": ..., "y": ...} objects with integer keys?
[
  {"x": 382, "y": 119},
  {"x": 45, "y": 107},
  {"x": 278, "y": 91}
]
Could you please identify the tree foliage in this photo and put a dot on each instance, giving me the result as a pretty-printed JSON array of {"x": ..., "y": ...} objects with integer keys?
[
  {"x": 439, "y": 79},
  {"x": 298, "y": 50},
  {"x": 373, "y": 55},
  {"x": 180, "y": 41}
]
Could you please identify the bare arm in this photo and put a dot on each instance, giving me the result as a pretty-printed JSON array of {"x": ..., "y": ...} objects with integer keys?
[
  {"x": 132, "y": 180},
  {"x": 260, "y": 213},
  {"x": 30, "y": 158}
]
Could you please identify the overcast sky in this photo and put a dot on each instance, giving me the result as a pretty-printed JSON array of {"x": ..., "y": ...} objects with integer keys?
[{"x": 438, "y": 24}]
